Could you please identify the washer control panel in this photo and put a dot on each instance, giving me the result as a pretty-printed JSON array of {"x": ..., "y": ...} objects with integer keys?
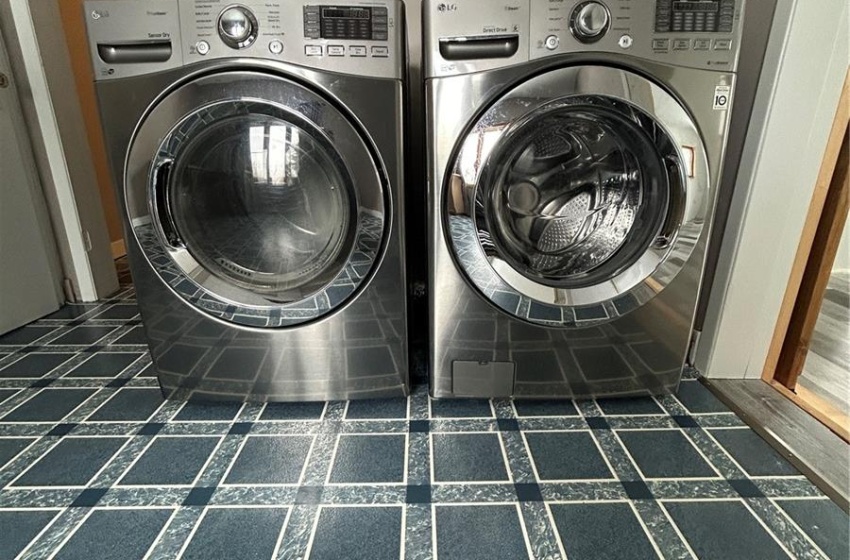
[
  {"x": 694, "y": 33},
  {"x": 362, "y": 37},
  {"x": 473, "y": 35}
]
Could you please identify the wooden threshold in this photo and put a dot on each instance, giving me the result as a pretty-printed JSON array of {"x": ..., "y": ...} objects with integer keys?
[{"x": 815, "y": 450}]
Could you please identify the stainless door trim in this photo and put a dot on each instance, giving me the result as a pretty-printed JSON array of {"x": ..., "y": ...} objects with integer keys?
[
  {"x": 633, "y": 287},
  {"x": 175, "y": 264}
]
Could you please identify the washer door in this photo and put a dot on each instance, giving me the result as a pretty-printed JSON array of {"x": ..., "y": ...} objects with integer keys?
[
  {"x": 256, "y": 199},
  {"x": 577, "y": 196}
]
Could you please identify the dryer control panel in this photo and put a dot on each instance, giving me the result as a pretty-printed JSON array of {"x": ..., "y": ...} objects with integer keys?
[
  {"x": 362, "y": 37},
  {"x": 473, "y": 35}
]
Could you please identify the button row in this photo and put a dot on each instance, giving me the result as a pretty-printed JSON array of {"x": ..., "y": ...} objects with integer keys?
[
  {"x": 353, "y": 50},
  {"x": 663, "y": 45}
]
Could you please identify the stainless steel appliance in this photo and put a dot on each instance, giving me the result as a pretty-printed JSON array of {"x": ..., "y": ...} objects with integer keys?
[
  {"x": 257, "y": 150},
  {"x": 574, "y": 152}
]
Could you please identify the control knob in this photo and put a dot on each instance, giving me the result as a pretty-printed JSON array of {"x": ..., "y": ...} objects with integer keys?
[
  {"x": 589, "y": 21},
  {"x": 237, "y": 27}
]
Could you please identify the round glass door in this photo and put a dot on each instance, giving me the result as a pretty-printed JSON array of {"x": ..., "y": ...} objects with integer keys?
[
  {"x": 579, "y": 206},
  {"x": 251, "y": 211}
]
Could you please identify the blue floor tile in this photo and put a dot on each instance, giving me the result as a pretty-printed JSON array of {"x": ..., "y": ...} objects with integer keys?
[
  {"x": 377, "y": 409},
  {"x": 461, "y": 408},
  {"x": 369, "y": 458},
  {"x": 135, "y": 336},
  {"x": 35, "y": 365},
  {"x": 607, "y": 531},
  {"x": 117, "y": 534},
  {"x": 824, "y": 522},
  {"x": 19, "y": 528},
  {"x": 698, "y": 399},
  {"x": 665, "y": 454},
  {"x": 355, "y": 533},
  {"x": 723, "y": 530},
  {"x": 71, "y": 311},
  {"x": 49, "y": 405},
  {"x": 104, "y": 365},
  {"x": 171, "y": 460},
  {"x": 72, "y": 462},
  {"x": 566, "y": 456},
  {"x": 83, "y": 335},
  {"x": 533, "y": 407},
  {"x": 129, "y": 405},
  {"x": 118, "y": 311},
  {"x": 293, "y": 411},
  {"x": 270, "y": 460},
  {"x": 6, "y": 393},
  {"x": 25, "y": 335},
  {"x": 468, "y": 457},
  {"x": 641, "y": 405},
  {"x": 10, "y": 447},
  {"x": 754, "y": 454},
  {"x": 243, "y": 533},
  {"x": 480, "y": 532},
  {"x": 208, "y": 412}
]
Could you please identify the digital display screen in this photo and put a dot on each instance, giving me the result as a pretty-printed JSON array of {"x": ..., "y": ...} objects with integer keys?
[
  {"x": 346, "y": 13},
  {"x": 696, "y": 6},
  {"x": 354, "y": 23}
]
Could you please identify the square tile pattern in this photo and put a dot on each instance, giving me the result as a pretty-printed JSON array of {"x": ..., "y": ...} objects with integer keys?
[{"x": 88, "y": 449}]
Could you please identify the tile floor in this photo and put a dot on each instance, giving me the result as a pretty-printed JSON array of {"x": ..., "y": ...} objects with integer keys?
[{"x": 94, "y": 464}]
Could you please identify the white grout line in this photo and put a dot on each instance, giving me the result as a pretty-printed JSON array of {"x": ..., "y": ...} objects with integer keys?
[
  {"x": 191, "y": 534},
  {"x": 161, "y": 532},
  {"x": 645, "y": 529},
  {"x": 676, "y": 528}
]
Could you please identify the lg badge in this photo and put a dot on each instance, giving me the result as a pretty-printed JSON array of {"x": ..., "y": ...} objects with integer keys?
[{"x": 721, "y": 97}]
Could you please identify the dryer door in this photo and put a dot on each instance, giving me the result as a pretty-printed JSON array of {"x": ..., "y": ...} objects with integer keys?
[
  {"x": 577, "y": 196},
  {"x": 256, "y": 199}
]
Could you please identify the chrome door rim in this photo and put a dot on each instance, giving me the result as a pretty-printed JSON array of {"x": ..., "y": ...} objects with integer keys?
[
  {"x": 513, "y": 291},
  {"x": 181, "y": 270}
]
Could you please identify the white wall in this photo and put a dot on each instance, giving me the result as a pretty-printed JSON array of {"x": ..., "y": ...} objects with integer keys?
[
  {"x": 804, "y": 70},
  {"x": 39, "y": 57}
]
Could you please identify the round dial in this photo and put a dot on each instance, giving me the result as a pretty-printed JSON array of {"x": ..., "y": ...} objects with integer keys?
[
  {"x": 237, "y": 27},
  {"x": 590, "y": 21}
]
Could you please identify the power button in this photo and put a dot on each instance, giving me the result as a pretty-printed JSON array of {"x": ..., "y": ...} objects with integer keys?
[{"x": 552, "y": 42}]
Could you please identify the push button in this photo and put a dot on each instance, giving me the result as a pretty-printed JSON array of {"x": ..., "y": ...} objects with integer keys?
[
  {"x": 661, "y": 45},
  {"x": 313, "y": 50},
  {"x": 681, "y": 44},
  {"x": 380, "y": 52},
  {"x": 357, "y": 50},
  {"x": 722, "y": 44},
  {"x": 702, "y": 44},
  {"x": 336, "y": 50}
]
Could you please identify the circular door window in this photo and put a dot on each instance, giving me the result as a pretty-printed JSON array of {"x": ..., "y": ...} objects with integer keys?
[
  {"x": 576, "y": 208},
  {"x": 254, "y": 210}
]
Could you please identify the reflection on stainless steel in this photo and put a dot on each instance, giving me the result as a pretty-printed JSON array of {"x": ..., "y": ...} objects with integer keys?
[
  {"x": 261, "y": 203},
  {"x": 569, "y": 196},
  {"x": 568, "y": 216},
  {"x": 269, "y": 211},
  {"x": 273, "y": 177}
]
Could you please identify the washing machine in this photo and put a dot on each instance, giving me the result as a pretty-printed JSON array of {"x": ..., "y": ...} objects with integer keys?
[
  {"x": 574, "y": 154},
  {"x": 257, "y": 153}
]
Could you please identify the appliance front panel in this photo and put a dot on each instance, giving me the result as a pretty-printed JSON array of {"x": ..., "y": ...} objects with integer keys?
[{"x": 638, "y": 353}]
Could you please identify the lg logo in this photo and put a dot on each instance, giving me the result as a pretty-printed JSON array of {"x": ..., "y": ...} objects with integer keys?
[
  {"x": 97, "y": 14},
  {"x": 443, "y": 7}
]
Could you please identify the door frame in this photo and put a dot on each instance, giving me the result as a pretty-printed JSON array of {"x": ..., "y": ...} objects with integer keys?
[{"x": 825, "y": 220}]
